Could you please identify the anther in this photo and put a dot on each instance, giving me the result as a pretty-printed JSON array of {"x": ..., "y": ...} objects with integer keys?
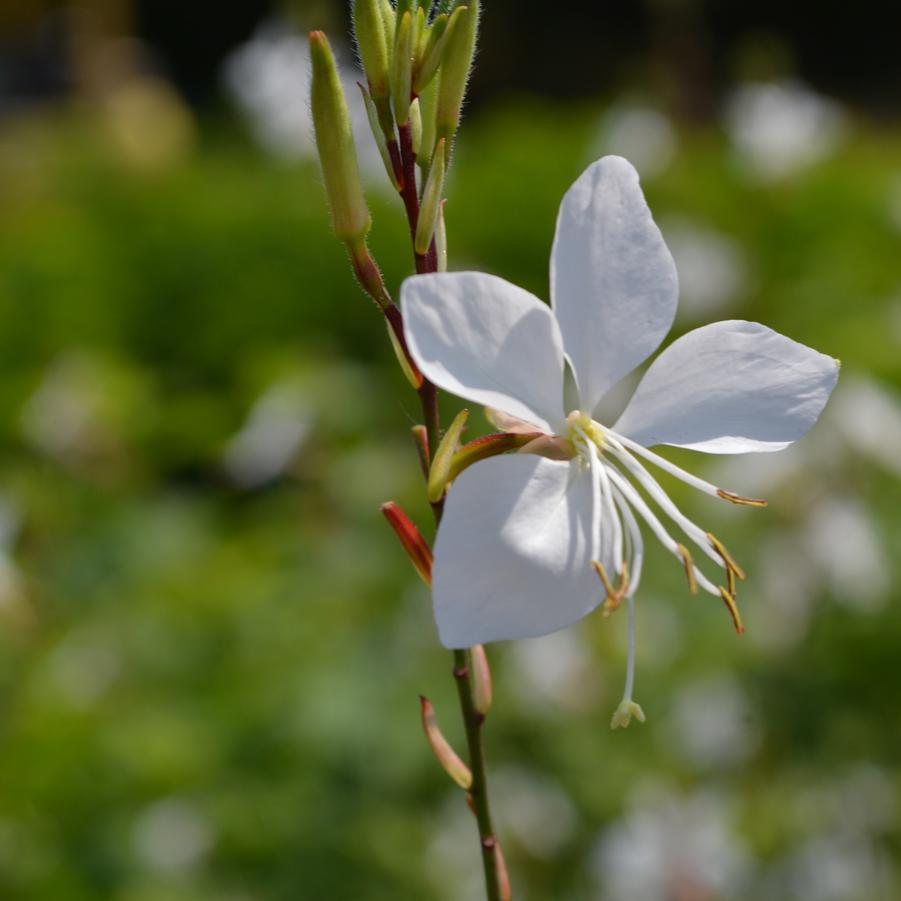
[
  {"x": 614, "y": 595},
  {"x": 729, "y": 601},
  {"x": 741, "y": 501},
  {"x": 730, "y": 564},
  {"x": 689, "y": 568}
]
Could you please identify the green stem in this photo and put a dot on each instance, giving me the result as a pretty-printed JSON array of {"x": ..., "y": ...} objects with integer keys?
[{"x": 473, "y": 720}]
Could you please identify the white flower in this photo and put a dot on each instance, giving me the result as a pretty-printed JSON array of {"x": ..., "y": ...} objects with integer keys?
[{"x": 525, "y": 538}]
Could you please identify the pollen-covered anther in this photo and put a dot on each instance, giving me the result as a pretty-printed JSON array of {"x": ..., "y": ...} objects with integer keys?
[
  {"x": 732, "y": 607},
  {"x": 732, "y": 568},
  {"x": 689, "y": 568},
  {"x": 741, "y": 501},
  {"x": 615, "y": 596}
]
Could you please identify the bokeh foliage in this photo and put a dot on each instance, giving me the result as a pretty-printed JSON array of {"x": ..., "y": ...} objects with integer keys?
[{"x": 209, "y": 691}]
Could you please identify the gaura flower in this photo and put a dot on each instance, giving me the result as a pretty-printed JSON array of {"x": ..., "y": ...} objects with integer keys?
[{"x": 530, "y": 544}]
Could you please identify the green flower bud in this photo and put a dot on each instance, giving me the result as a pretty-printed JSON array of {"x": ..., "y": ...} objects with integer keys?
[
  {"x": 428, "y": 110},
  {"x": 431, "y": 202},
  {"x": 415, "y": 125},
  {"x": 369, "y": 31},
  {"x": 456, "y": 65},
  {"x": 439, "y": 36},
  {"x": 388, "y": 22},
  {"x": 402, "y": 68},
  {"x": 379, "y": 135},
  {"x": 334, "y": 140}
]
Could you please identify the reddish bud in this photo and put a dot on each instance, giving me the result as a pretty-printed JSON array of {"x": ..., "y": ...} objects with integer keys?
[
  {"x": 411, "y": 539},
  {"x": 447, "y": 756}
]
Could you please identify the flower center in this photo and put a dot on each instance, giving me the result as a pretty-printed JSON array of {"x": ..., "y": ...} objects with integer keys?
[{"x": 580, "y": 427}]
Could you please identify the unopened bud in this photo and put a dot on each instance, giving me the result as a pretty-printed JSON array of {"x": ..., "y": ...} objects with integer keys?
[
  {"x": 334, "y": 140},
  {"x": 407, "y": 366},
  {"x": 402, "y": 68},
  {"x": 456, "y": 65},
  {"x": 436, "y": 43},
  {"x": 421, "y": 439},
  {"x": 369, "y": 31},
  {"x": 388, "y": 23},
  {"x": 379, "y": 135},
  {"x": 415, "y": 126},
  {"x": 441, "y": 240},
  {"x": 439, "y": 473},
  {"x": 411, "y": 539},
  {"x": 431, "y": 202},
  {"x": 481, "y": 679},
  {"x": 447, "y": 756},
  {"x": 503, "y": 875},
  {"x": 428, "y": 110}
]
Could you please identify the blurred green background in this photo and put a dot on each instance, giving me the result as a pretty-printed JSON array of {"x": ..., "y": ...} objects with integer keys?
[{"x": 210, "y": 644}]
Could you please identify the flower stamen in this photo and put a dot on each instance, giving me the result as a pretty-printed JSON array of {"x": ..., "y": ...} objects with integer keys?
[
  {"x": 614, "y": 595},
  {"x": 741, "y": 501},
  {"x": 732, "y": 606},
  {"x": 689, "y": 568}
]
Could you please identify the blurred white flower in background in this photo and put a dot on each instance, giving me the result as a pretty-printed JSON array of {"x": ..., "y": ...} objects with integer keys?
[
  {"x": 711, "y": 722},
  {"x": 641, "y": 134},
  {"x": 869, "y": 417},
  {"x": 532, "y": 811},
  {"x": 713, "y": 271},
  {"x": 172, "y": 836},
  {"x": 273, "y": 433},
  {"x": 670, "y": 848},
  {"x": 842, "y": 539},
  {"x": 269, "y": 79},
  {"x": 556, "y": 672},
  {"x": 779, "y": 128}
]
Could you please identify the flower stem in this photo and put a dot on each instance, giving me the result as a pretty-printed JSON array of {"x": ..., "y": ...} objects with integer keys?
[
  {"x": 473, "y": 720},
  {"x": 478, "y": 793}
]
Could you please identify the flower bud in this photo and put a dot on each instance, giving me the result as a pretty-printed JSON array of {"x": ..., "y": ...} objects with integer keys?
[
  {"x": 421, "y": 440},
  {"x": 411, "y": 539},
  {"x": 456, "y": 65},
  {"x": 447, "y": 756},
  {"x": 439, "y": 472},
  {"x": 481, "y": 679},
  {"x": 407, "y": 366},
  {"x": 388, "y": 23},
  {"x": 428, "y": 110},
  {"x": 369, "y": 31},
  {"x": 415, "y": 126},
  {"x": 438, "y": 37},
  {"x": 402, "y": 68},
  {"x": 431, "y": 202},
  {"x": 334, "y": 140},
  {"x": 378, "y": 133},
  {"x": 441, "y": 240}
]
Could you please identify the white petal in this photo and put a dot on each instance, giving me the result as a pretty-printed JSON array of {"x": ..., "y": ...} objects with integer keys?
[
  {"x": 488, "y": 341},
  {"x": 513, "y": 555},
  {"x": 613, "y": 282},
  {"x": 729, "y": 388}
]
